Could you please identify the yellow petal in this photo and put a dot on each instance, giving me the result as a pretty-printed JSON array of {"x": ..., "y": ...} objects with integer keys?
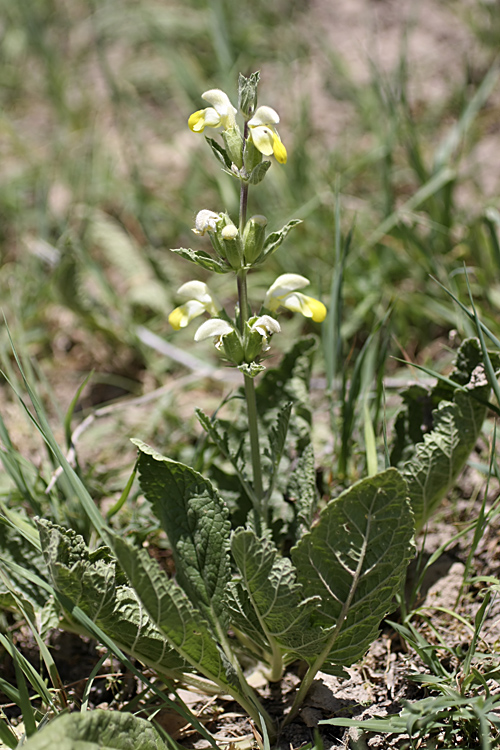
[
  {"x": 177, "y": 318},
  {"x": 181, "y": 316},
  {"x": 307, "y": 306},
  {"x": 279, "y": 150},
  {"x": 263, "y": 139},
  {"x": 317, "y": 308},
  {"x": 196, "y": 121},
  {"x": 204, "y": 118}
]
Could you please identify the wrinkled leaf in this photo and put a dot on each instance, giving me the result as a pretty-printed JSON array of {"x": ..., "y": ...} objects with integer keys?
[
  {"x": 97, "y": 730},
  {"x": 270, "y": 581},
  {"x": 14, "y": 546},
  {"x": 438, "y": 429},
  {"x": 354, "y": 559},
  {"x": 196, "y": 522},
  {"x": 92, "y": 582},
  {"x": 183, "y": 626},
  {"x": 301, "y": 488}
]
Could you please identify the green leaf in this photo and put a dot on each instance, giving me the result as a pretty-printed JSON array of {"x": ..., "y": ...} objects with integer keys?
[
  {"x": 354, "y": 559},
  {"x": 92, "y": 582},
  {"x": 277, "y": 440},
  {"x": 274, "y": 240},
  {"x": 196, "y": 521},
  {"x": 14, "y": 546},
  {"x": 97, "y": 730},
  {"x": 283, "y": 611},
  {"x": 439, "y": 428},
  {"x": 289, "y": 382},
  {"x": 301, "y": 488},
  {"x": 202, "y": 259},
  {"x": 231, "y": 449},
  {"x": 184, "y": 627},
  {"x": 258, "y": 173},
  {"x": 219, "y": 152}
]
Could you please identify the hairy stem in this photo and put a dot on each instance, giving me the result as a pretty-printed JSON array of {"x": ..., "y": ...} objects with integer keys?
[{"x": 253, "y": 427}]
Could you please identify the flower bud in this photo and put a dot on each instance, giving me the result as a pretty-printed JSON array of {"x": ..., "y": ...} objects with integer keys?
[
  {"x": 247, "y": 93},
  {"x": 232, "y": 246},
  {"x": 253, "y": 238}
]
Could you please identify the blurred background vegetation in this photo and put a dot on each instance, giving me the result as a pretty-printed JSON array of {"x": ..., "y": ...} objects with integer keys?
[{"x": 390, "y": 115}]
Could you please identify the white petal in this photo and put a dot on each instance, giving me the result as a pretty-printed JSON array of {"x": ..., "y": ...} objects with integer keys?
[
  {"x": 266, "y": 325},
  {"x": 263, "y": 140},
  {"x": 297, "y": 302},
  {"x": 264, "y": 116},
  {"x": 211, "y": 117},
  {"x": 220, "y": 101},
  {"x": 285, "y": 284},
  {"x": 212, "y": 327},
  {"x": 195, "y": 290},
  {"x": 205, "y": 220}
]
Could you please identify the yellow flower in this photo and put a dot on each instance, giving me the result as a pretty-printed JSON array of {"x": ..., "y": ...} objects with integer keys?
[
  {"x": 283, "y": 293},
  {"x": 264, "y": 135},
  {"x": 221, "y": 113},
  {"x": 198, "y": 298}
]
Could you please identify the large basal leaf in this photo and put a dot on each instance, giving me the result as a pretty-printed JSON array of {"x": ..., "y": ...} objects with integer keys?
[
  {"x": 97, "y": 730},
  {"x": 91, "y": 581},
  {"x": 184, "y": 627},
  {"x": 270, "y": 583},
  {"x": 354, "y": 559},
  {"x": 194, "y": 516},
  {"x": 438, "y": 429}
]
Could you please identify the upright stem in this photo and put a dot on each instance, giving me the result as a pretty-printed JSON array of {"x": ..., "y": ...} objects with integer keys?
[{"x": 253, "y": 427}]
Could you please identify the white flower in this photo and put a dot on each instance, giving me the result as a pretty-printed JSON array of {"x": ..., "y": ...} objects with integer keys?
[
  {"x": 215, "y": 328},
  {"x": 264, "y": 135},
  {"x": 283, "y": 293},
  {"x": 199, "y": 300},
  {"x": 205, "y": 221},
  {"x": 221, "y": 113},
  {"x": 265, "y": 325}
]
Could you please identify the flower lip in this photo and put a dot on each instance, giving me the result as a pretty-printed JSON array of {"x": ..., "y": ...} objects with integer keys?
[
  {"x": 283, "y": 293},
  {"x": 215, "y": 327},
  {"x": 264, "y": 116},
  {"x": 219, "y": 101},
  {"x": 265, "y": 325},
  {"x": 285, "y": 284},
  {"x": 197, "y": 290},
  {"x": 183, "y": 315}
]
